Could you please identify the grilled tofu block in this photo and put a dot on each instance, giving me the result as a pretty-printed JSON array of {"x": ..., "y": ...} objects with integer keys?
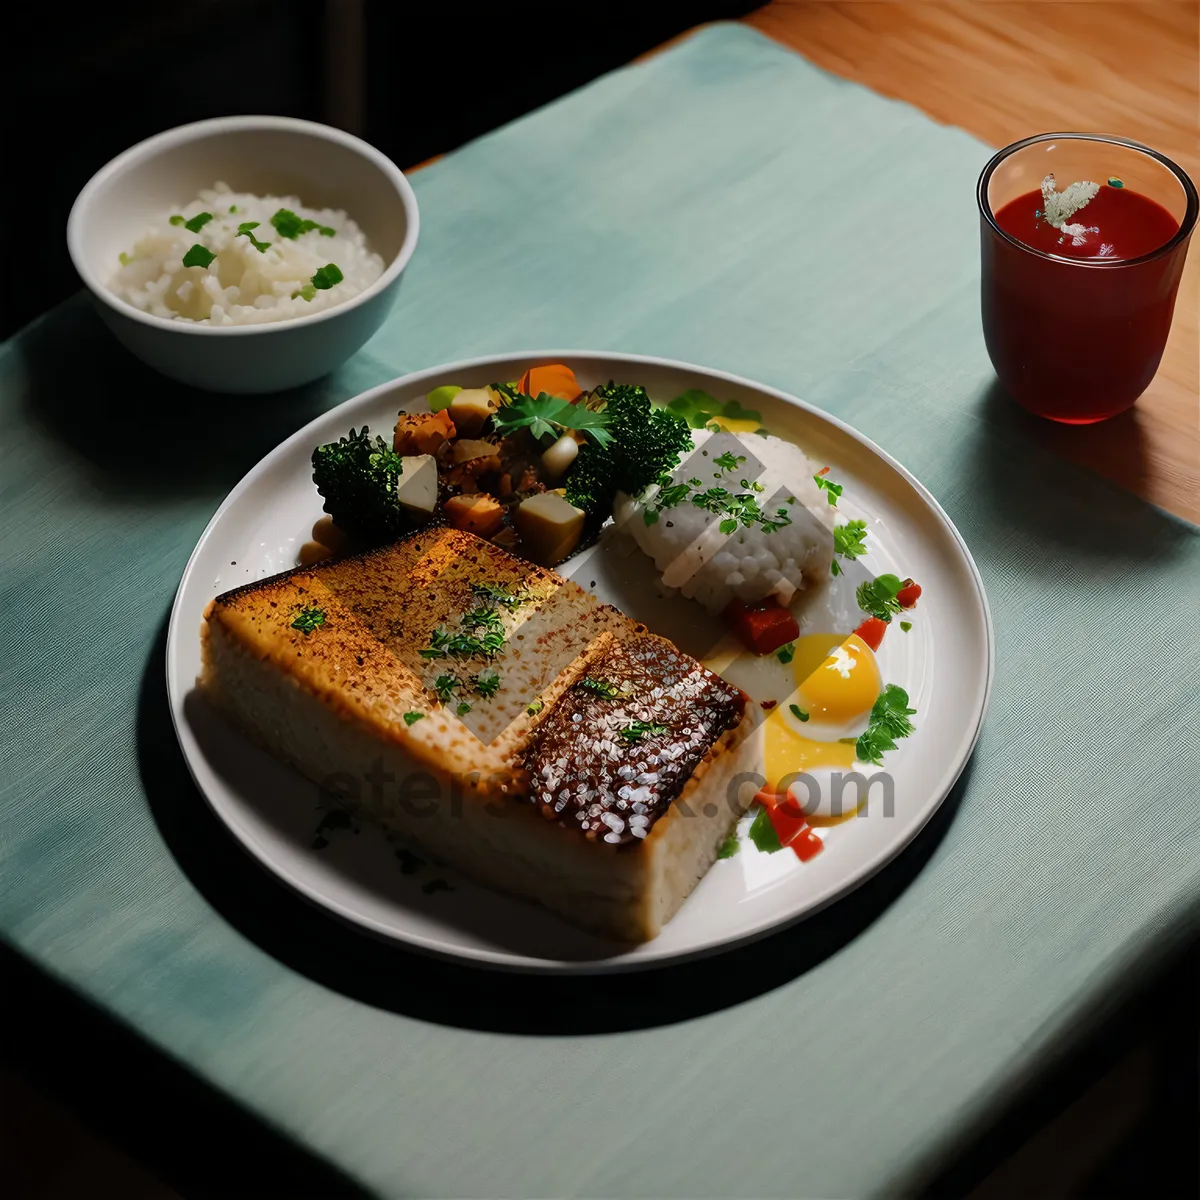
[{"x": 496, "y": 716}]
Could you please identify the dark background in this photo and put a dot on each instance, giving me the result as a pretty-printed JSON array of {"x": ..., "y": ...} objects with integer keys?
[{"x": 416, "y": 80}]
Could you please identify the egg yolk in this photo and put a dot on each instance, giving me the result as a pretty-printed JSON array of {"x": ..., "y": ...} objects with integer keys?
[
  {"x": 787, "y": 752},
  {"x": 843, "y": 686}
]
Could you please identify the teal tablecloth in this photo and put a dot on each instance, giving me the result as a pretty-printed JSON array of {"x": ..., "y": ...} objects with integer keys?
[{"x": 726, "y": 203}]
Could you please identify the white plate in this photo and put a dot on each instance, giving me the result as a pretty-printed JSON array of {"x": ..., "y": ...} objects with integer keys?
[{"x": 945, "y": 663}]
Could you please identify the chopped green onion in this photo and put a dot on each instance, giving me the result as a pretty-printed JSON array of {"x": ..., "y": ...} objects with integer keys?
[
  {"x": 798, "y": 712},
  {"x": 244, "y": 231},
  {"x": 124, "y": 259},
  {"x": 327, "y": 276},
  {"x": 177, "y": 220},
  {"x": 307, "y": 292},
  {"x": 198, "y": 222},
  {"x": 411, "y": 718},
  {"x": 289, "y": 225},
  {"x": 198, "y": 256},
  {"x": 906, "y": 625}
]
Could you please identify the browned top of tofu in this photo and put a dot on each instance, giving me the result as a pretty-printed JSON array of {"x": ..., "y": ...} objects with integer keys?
[{"x": 625, "y": 738}]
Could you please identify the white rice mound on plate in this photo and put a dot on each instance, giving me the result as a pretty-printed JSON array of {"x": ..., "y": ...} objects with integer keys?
[
  {"x": 705, "y": 564},
  {"x": 243, "y": 286}
]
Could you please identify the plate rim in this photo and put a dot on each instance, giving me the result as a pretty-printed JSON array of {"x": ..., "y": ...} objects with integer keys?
[{"x": 524, "y": 964}]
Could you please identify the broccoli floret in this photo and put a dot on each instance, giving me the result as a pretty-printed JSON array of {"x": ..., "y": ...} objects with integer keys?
[
  {"x": 646, "y": 443},
  {"x": 357, "y": 475}
]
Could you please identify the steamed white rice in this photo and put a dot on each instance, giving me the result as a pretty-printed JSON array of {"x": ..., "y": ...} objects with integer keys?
[
  {"x": 242, "y": 286},
  {"x": 750, "y": 564}
]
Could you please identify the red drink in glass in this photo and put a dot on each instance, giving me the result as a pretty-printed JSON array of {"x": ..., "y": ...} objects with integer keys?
[{"x": 1075, "y": 324}]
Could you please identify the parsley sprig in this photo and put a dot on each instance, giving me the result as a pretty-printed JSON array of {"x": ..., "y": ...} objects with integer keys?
[
  {"x": 850, "y": 541},
  {"x": 832, "y": 490},
  {"x": 547, "y": 416},
  {"x": 603, "y": 688},
  {"x": 878, "y": 596},
  {"x": 889, "y": 721},
  {"x": 735, "y": 508},
  {"x": 308, "y": 619},
  {"x": 638, "y": 731},
  {"x": 729, "y": 461}
]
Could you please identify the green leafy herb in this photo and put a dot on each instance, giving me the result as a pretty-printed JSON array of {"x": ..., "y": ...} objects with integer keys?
[
  {"x": 357, "y": 475},
  {"x": 889, "y": 721},
  {"x": 548, "y": 416},
  {"x": 698, "y": 408},
  {"x": 497, "y": 595},
  {"x": 832, "y": 490},
  {"x": 198, "y": 256},
  {"x": 463, "y": 709},
  {"x": 307, "y": 292},
  {"x": 785, "y": 654},
  {"x": 762, "y": 833},
  {"x": 309, "y": 619},
  {"x": 645, "y": 444},
  {"x": 411, "y": 718},
  {"x": 739, "y": 508},
  {"x": 728, "y": 461},
  {"x": 289, "y": 225},
  {"x": 798, "y": 712},
  {"x": 906, "y": 625},
  {"x": 638, "y": 731},
  {"x": 198, "y": 222},
  {"x": 124, "y": 259},
  {"x": 730, "y": 846},
  {"x": 176, "y": 219},
  {"x": 233, "y": 208},
  {"x": 243, "y": 230},
  {"x": 444, "y": 686},
  {"x": 327, "y": 276},
  {"x": 602, "y": 688},
  {"x": 850, "y": 541},
  {"x": 487, "y": 684},
  {"x": 444, "y": 644},
  {"x": 487, "y": 619},
  {"x": 878, "y": 596},
  {"x": 535, "y": 708}
]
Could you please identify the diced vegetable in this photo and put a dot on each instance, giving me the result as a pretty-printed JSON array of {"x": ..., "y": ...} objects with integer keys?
[
  {"x": 909, "y": 594},
  {"x": 417, "y": 487},
  {"x": 554, "y": 380},
  {"x": 550, "y": 528},
  {"x": 871, "y": 631},
  {"x": 470, "y": 409},
  {"x": 478, "y": 514},
  {"x": 422, "y": 433},
  {"x": 440, "y": 397},
  {"x": 761, "y": 627},
  {"x": 561, "y": 455},
  {"x": 475, "y": 456}
]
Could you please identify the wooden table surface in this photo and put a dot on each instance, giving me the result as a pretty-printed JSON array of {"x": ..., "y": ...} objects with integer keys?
[{"x": 1004, "y": 69}]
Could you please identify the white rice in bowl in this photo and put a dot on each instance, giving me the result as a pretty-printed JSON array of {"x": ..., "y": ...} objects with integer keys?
[
  {"x": 777, "y": 556},
  {"x": 244, "y": 285}
]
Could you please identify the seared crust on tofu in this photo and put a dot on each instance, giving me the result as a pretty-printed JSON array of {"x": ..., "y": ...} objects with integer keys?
[{"x": 432, "y": 664}]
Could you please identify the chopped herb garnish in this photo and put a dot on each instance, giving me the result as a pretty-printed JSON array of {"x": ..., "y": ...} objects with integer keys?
[
  {"x": 762, "y": 833},
  {"x": 444, "y": 686},
  {"x": 889, "y": 721},
  {"x": 411, "y": 718},
  {"x": 638, "y": 731},
  {"x": 289, "y": 225},
  {"x": 785, "y": 654},
  {"x": 730, "y": 846},
  {"x": 497, "y": 595},
  {"x": 198, "y": 256},
  {"x": 327, "y": 276},
  {"x": 307, "y": 292},
  {"x": 728, "y": 462},
  {"x": 487, "y": 684},
  {"x": 233, "y": 208},
  {"x": 850, "y": 541},
  {"x": 535, "y": 708},
  {"x": 699, "y": 409},
  {"x": 906, "y": 625},
  {"x": 798, "y": 712},
  {"x": 198, "y": 222},
  {"x": 463, "y": 709},
  {"x": 176, "y": 219},
  {"x": 832, "y": 490},
  {"x": 309, "y": 619},
  {"x": 602, "y": 688},
  {"x": 548, "y": 416},
  {"x": 124, "y": 259},
  {"x": 444, "y": 644},
  {"x": 878, "y": 596},
  {"x": 243, "y": 230},
  {"x": 482, "y": 618}
]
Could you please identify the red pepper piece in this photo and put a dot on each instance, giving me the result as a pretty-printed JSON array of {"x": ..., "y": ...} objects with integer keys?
[
  {"x": 761, "y": 627},
  {"x": 871, "y": 631},
  {"x": 909, "y": 594}
]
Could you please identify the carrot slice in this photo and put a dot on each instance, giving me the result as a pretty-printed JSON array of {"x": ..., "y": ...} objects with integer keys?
[
  {"x": 909, "y": 594},
  {"x": 554, "y": 380},
  {"x": 871, "y": 631}
]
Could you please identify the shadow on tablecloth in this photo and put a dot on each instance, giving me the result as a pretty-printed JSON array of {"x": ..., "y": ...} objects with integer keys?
[{"x": 340, "y": 956}]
